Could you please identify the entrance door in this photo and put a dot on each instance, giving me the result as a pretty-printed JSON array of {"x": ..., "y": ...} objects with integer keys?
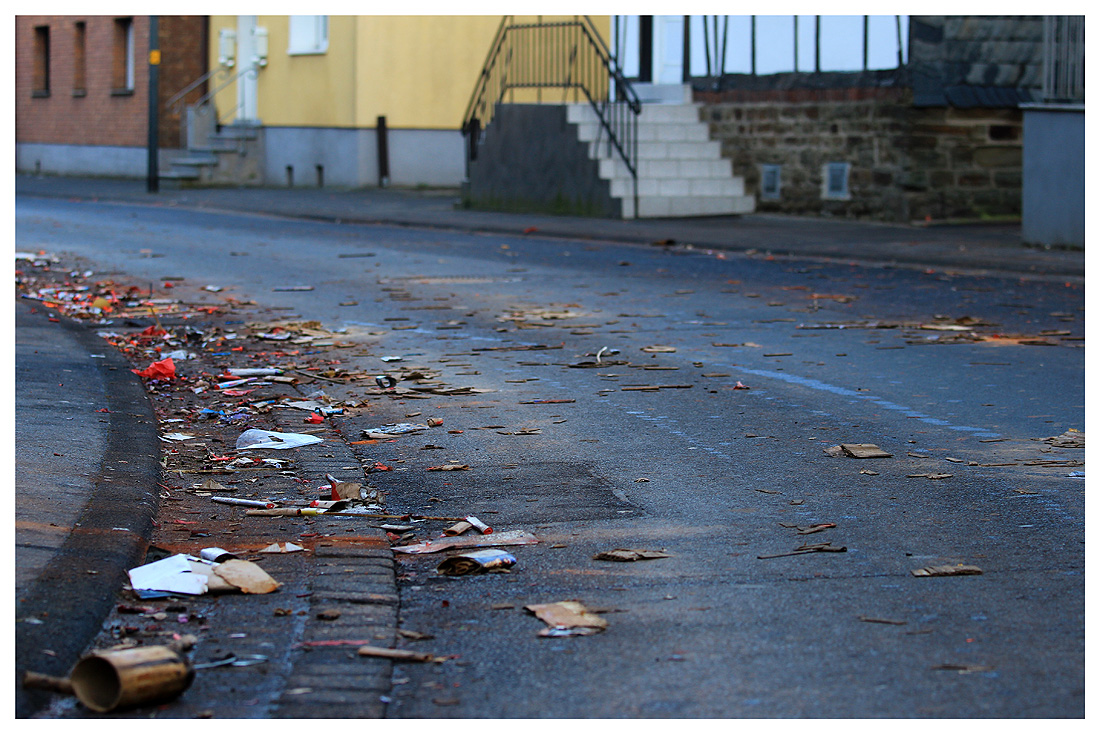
[
  {"x": 246, "y": 54},
  {"x": 668, "y": 49}
]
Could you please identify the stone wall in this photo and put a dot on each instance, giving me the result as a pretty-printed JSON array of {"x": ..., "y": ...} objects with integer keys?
[{"x": 905, "y": 163}]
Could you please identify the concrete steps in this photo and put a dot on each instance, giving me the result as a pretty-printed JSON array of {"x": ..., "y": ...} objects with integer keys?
[
  {"x": 681, "y": 172},
  {"x": 228, "y": 156}
]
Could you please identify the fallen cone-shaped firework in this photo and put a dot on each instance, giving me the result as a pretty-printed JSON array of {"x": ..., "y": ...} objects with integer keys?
[
  {"x": 567, "y": 619},
  {"x": 108, "y": 680},
  {"x": 480, "y": 561}
]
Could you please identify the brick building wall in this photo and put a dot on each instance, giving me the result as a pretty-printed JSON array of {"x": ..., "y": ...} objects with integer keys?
[
  {"x": 904, "y": 163},
  {"x": 89, "y": 104}
]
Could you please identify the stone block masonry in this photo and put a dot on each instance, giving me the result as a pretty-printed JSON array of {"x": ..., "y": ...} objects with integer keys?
[{"x": 905, "y": 163}]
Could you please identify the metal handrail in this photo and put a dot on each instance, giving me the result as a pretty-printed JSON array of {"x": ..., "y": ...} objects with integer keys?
[
  {"x": 174, "y": 102},
  {"x": 569, "y": 55},
  {"x": 210, "y": 95}
]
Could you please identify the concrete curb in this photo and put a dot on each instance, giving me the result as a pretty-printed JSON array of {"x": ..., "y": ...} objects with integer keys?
[{"x": 78, "y": 587}]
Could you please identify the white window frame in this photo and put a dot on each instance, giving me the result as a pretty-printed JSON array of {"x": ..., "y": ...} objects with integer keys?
[
  {"x": 768, "y": 193},
  {"x": 308, "y": 34},
  {"x": 130, "y": 54},
  {"x": 827, "y": 192}
]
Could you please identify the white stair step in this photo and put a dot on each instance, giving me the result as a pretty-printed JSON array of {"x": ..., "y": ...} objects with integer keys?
[
  {"x": 651, "y": 113},
  {"x": 659, "y": 151},
  {"x": 624, "y": 187},
  {"x": 688, "y": 206},
  {"x": 668, "y": 132},
  {"x": 693, "y": 168}
]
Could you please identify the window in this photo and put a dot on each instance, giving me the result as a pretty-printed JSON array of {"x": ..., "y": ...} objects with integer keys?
[
  {"x": 80, "y": 31},
  {"x": 769, "y": 181},
  {"x": 122, "y": 63},
  {"x": 835, "y": 181},
  {"x": 308, "y": 34},
  {"x": 40, "y": 84}
]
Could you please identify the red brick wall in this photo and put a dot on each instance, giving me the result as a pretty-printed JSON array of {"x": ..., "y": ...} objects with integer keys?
[{"x": 99, "y": 116}]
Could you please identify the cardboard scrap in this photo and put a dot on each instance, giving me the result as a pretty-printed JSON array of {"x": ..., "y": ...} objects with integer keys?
[
  {"x": 566, "y": 619},
  {"x": 858, "y": 451},
  {"x": 282, "y": 548},
  {"x": 512, "y": 537},
  {"x": 246, "y": 576},
  {"x": 958, "y": 569},
  {"x": 628, "y": 554}
]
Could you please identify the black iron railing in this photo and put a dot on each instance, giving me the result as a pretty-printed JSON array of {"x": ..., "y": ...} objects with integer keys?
[{"x": 569, "y": 56}]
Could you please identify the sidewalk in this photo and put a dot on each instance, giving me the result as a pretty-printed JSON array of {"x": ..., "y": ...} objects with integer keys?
[{"x": 984, "y": 248}]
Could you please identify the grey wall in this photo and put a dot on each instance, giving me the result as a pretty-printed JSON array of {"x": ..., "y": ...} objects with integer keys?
[
  {"x": 532, "y": 160},
  {"x": 349, "y": 157},
  {"x": 86, "y": 160},
  {"x": 1054, "y": 176}
]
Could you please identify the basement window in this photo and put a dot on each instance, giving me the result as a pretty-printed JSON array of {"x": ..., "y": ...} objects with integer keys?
[
  {"x": 834, "y": 183},
  {"x": 308, "y": 34},
  {"x": 40, "y": 84},
  {"x": 770, "y": 181}
]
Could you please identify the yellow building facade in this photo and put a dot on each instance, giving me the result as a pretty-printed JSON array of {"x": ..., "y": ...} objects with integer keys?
[{"x": 317, "y": 87}]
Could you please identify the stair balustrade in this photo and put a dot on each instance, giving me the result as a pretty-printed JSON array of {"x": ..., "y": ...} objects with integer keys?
[{"x": 564, "y": 55}]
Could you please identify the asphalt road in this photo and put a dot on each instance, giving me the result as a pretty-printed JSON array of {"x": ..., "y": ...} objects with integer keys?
[{"x": 665, "y": 452}]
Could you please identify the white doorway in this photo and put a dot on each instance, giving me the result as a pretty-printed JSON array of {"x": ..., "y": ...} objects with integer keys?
[{"x": 246, "y": 57}]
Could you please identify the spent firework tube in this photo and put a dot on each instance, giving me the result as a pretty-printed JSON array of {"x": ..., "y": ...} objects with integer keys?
[
  {"x": 244, "y": 503},
  {"x": 482, "y": 527}
]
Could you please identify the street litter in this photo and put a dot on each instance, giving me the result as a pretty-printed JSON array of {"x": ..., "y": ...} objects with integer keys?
[
  {"x": 809, "y": 548},
  {"x": 394, "y": 430},
  {"x": 963, "y": 669},
  {"x": 808, "y": 529},
  {"x": 246, "y": 576},
  {"x": 344, "y": 490},
  {"x": 254, "y": 438},
  {"x": 490, "y": 560},
  {"x": 110, "y": 680},
  {"x": 404, "y": 655},
  {"x": 567, "y": 619},
  {"x": 215, "y": 555},
  {"x": 242, "y": 503},
  {"x": 183, "y": 574},
  {"x": 1071, "y": 439},
  {"x": 236, "y": 661},
  {"x": 929, "y": 475},
  {"x": 628, "y": 554},
  {"x": 165, "y": 369},
  {"x": 877, "y": 620},
  {"x": 948, "y": 570},
  {"x": 172, "y": 575},
  {"x": 282, "y": 548},
  {"x": 512, "y": 537},
  {"x": 254, "y": 371},
  {"x": 449, "y": 467},
  {"x": 858, "y": 451},
  {"x": 176, "y": 437},
  {"x": 658, "y": 349}
]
